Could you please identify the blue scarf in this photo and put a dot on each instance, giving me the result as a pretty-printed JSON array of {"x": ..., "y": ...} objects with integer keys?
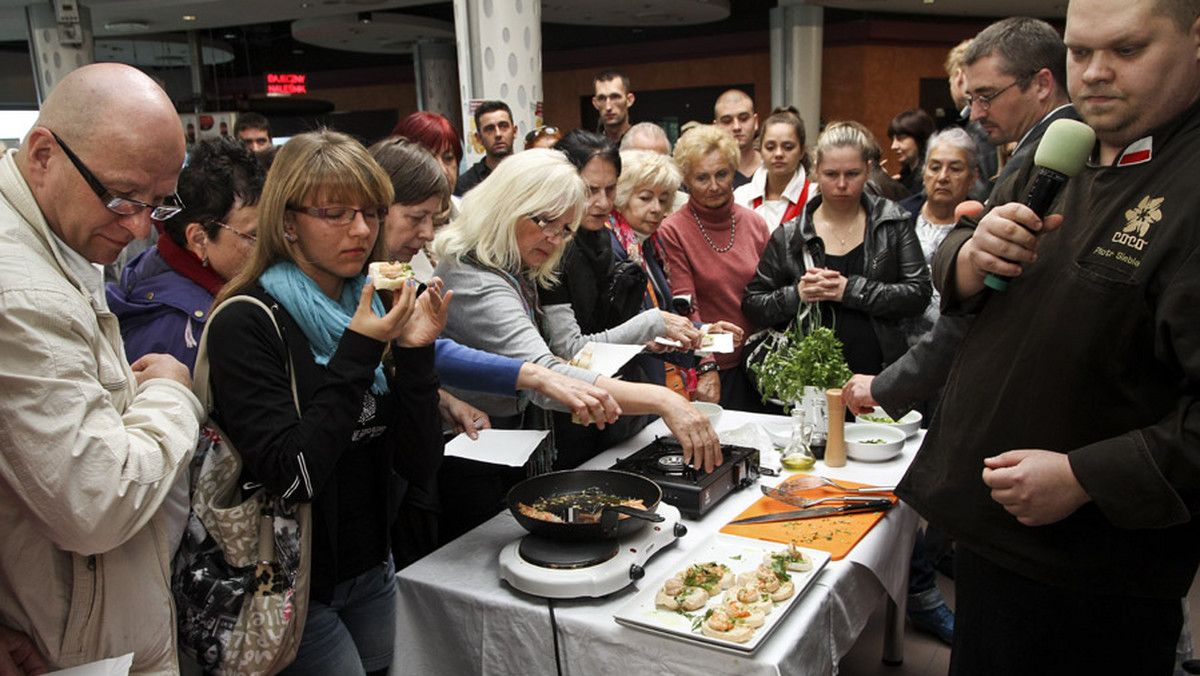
[{"x": 322, "y": 320}]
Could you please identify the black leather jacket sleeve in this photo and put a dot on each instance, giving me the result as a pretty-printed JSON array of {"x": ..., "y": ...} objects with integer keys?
[
  {"x": 772, "y": 298},
  {"x": 895, "y": 283}
]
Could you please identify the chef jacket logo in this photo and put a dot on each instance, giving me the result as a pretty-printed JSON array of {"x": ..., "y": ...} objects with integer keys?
[{"x": 1138, "y": 221}]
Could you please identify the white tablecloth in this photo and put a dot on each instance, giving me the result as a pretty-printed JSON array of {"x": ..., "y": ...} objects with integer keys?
[{"x": 455, "y": 615}]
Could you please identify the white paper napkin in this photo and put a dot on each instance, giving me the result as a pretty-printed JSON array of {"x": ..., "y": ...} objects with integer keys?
[{"x": 497, "y": 447}]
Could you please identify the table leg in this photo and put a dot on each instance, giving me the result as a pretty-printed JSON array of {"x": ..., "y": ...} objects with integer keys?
[{"x": 893, "y": 634}]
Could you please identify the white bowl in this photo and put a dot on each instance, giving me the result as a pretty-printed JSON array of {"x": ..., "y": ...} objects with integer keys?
[
  {"x": 780, "y": 433},
  {"x": 711, "y": 411},
  {"x": 910, "y": 423},
  {"x": 889, "y": 441}
]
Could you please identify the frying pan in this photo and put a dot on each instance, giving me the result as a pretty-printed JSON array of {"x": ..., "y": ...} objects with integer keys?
[{"x": 551, "y": 485}]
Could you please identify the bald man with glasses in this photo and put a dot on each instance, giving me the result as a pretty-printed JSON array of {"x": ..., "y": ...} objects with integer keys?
[
  {"x": 1015, "y": 73},
  {"x": 92, "y": 445}
]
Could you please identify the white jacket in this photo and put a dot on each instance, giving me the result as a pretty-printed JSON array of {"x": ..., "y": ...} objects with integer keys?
[
  {"x": 86, "y": 458},
  {"x": 748, "y": 194}
]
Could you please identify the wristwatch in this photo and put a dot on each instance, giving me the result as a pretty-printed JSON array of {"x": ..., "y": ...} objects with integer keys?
[{"x": 706, "y": 367}]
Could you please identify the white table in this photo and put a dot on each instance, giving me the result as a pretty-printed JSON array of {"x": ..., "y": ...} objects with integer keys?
[{"x": 455, "y": 615}]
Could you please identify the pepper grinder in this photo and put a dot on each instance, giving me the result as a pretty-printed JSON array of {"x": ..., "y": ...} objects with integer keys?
[{"x": 835, "y": 444}]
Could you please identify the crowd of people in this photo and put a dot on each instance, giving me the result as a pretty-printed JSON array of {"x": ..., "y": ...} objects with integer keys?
[{"x": 1072, "y": 393}]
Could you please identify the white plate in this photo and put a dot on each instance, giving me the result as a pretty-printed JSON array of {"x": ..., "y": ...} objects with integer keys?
[{"x": 741, "y": 555}]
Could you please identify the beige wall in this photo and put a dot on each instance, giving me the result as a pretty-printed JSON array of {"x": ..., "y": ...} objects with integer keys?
[
  {"x": 563, "y": 88},
  {"x": 872, "y": 83},
  {"x": 868, "y": 83}
]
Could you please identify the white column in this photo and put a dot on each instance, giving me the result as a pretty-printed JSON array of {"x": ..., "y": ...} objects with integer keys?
[
  {"x": 60, "y": 40},
  {"x": 797, "y": 32},
  {"x": 436, "y": 70},
  {"x": 499, "y": 58}
]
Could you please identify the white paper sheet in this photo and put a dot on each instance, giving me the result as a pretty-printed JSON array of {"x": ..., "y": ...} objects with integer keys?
[
  {"x": 117, "y": 666},
  {"x": 498, "y": 447},
  {"x": 608, "y": 358},
  {"x": 721, "y": 342}
]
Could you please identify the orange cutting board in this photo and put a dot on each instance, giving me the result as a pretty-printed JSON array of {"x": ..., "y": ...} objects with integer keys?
[{"x": 836, "y": 534}]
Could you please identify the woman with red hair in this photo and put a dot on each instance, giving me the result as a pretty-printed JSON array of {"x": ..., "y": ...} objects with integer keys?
[{"x": 435, "y": 132}]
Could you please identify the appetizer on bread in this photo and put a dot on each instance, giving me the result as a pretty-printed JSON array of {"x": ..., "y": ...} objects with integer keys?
[{"x": 390, "y": 276}]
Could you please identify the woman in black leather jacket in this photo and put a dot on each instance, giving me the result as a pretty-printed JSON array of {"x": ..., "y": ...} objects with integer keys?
[{"x": 853, "y": 254}]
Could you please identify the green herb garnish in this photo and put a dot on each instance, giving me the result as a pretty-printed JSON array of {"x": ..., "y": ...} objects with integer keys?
[{"x": 814, "y": 359}]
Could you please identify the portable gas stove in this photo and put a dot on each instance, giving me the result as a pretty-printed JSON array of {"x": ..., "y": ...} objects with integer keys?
[
  {"x": 560, "y": 569},
  {"x": 693, "y": 492}
]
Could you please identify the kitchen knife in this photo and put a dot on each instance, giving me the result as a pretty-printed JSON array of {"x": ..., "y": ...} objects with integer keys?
[{"x": 880, "y": 505}]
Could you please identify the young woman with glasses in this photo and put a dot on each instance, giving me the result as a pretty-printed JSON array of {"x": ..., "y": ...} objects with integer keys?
[{"x": 368, "y": 424}]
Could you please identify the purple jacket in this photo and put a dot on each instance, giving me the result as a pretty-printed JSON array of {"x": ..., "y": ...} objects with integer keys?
[{"x": 159, "y": 309}]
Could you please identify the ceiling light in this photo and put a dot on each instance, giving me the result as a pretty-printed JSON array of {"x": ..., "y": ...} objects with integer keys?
[
  {"x": 126, "y": 26},
  {"x": 189, "y": 17}
]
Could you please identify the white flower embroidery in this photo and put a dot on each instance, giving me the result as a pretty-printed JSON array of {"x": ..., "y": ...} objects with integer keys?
[{"x": 1145, "y": 214}]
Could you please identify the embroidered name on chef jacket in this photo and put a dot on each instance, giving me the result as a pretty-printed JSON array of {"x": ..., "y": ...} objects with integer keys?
[{"x": 1120, "y": 249}]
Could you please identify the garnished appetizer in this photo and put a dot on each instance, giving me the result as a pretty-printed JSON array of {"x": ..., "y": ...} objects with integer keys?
[
  {"x": 793, "y": 559},
  {"x": 390, "y": 276}
]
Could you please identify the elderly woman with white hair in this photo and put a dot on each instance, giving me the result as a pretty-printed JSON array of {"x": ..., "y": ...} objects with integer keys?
[
  {"x": 950, "y": 170},
  {"x": 645, "y": 193},
  {"x": 713, "y": 246},
  {"x": 509, "y": 238}
]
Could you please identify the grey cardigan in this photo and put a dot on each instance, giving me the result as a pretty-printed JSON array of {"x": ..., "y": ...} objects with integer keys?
[{"x": 487, "y": 313}]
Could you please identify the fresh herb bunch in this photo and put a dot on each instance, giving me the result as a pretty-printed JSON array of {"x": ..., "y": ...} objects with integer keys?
[{"x": 813, "y": 359}]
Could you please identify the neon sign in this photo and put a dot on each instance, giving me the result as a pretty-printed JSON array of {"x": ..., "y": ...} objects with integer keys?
[{"x": 286, "y": 84}]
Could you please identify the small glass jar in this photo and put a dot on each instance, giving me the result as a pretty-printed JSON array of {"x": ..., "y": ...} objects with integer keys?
[{"x": 798, "y": 454}]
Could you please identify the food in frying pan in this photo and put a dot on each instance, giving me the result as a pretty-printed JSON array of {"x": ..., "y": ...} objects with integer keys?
[{"x": 578, "y": 507}]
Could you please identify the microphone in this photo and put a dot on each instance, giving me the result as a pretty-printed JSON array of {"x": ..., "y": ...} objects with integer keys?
[
  {"x": 1061, "y": 154},
  {"x": 968, "y": 208}
]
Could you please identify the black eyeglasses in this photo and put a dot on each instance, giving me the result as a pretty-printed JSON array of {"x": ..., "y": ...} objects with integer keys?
[
  {"x": 984, "y": 101},
  {"x": 244, "y": 235},
  {"x": 124, "y": 206},
  {"x": 548, "y": 231},
  {"x": 344, "y": 216}
]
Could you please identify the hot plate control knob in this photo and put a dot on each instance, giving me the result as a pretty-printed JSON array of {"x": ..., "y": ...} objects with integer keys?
[
  {"x": 680, "y": 530},
  {"x": 636, "y": 572}
]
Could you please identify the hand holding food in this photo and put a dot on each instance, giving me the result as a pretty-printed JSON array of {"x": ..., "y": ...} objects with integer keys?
[
  {"x": 588, "y": 403},
  {"x": 388, "y": 327},
  {"x": 681, "y": 329}
]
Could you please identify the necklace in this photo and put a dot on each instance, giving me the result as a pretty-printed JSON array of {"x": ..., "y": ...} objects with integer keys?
[
  {"x": 849, "y": 230},
  {"x": 732, "y": 232}
]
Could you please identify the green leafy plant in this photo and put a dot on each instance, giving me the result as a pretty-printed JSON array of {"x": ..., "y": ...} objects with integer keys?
[{"x": 813, "y": 359}]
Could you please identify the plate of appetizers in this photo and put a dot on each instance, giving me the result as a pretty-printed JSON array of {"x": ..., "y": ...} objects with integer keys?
[{"x": 730, "y": 593}]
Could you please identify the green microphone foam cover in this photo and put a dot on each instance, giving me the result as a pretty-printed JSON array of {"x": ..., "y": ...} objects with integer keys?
[{"x": 1065, "y": 147}]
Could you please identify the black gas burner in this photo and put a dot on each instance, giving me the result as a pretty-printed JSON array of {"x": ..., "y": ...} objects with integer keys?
[
  {"x": 693, "y": 491},
  {"x": 562, "y": 554}
]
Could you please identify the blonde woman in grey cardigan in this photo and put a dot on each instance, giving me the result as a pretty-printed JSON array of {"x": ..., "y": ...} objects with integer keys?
[{"x": 508, "y": 238}]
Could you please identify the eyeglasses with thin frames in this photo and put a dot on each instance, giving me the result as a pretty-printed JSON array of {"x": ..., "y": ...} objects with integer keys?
[
  {"x": 344, "y": 216},
  {"x": 548, "y": 231},
  {"x": 124, "y": 206},
  {"x": 984, "y": 101},
  {"x": 244, "y": 235}
]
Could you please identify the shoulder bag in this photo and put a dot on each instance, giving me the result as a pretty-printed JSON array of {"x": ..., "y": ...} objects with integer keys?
[{"x": 241, "y": 575}]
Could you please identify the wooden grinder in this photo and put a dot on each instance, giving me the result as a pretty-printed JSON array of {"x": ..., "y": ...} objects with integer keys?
[{"x": 835, "y": 444}]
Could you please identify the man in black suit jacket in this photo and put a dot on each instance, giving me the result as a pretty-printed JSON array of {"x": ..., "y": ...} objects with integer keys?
[{"x": 1016, "y": 84}]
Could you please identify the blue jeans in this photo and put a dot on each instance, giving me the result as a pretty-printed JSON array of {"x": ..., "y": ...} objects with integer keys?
[{"x": 354, "y": 633}]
